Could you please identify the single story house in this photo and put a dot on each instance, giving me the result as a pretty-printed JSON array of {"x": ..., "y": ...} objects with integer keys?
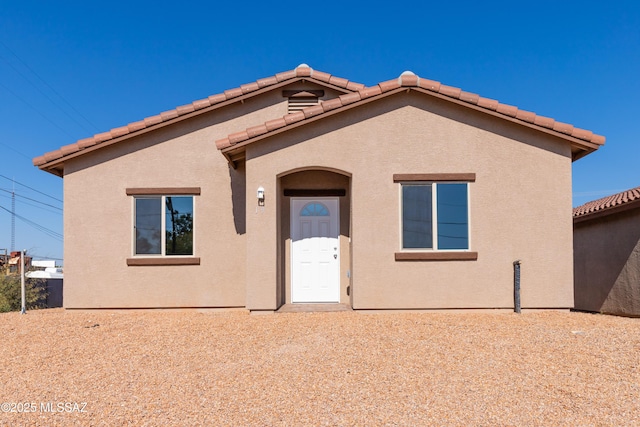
[
  {"x": 606, "y": 244},
  {"x": 304, "y": 187}
]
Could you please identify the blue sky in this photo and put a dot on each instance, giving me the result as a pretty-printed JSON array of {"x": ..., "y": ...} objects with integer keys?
[{"x": 71, "y": 69}]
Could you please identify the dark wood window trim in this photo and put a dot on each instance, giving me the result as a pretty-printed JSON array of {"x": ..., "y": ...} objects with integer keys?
[
  {"x": 137, "y": 262},
  {"x": 434, "y": 177},
  {"x": 164, "y": 191},
  {"x": 436, "y": 256},
  {"x": 330, "y": 192}
]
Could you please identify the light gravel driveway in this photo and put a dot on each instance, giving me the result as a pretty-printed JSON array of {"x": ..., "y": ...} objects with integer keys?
[{"x": 313, "y": 369}]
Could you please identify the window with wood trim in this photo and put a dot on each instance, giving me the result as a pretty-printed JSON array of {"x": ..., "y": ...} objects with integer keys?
[
  {"x": 163, "y": 225},
  {"x": 435, "y": 216}
]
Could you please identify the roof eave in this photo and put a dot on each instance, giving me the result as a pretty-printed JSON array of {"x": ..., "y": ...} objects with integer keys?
[
  {"x": 634, "y": 204},
  {"x": 56, "y": 166},
  {"x": 57, "y": 170},
  {"x": 579, "y": 147}
]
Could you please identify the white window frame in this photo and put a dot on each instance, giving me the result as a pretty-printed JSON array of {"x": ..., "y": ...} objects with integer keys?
[
  {"x": 163, "y": 225},
  {"x": 434, "y": 216}
]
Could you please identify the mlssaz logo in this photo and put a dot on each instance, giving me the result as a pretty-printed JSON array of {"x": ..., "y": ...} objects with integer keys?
[{"x": 79, "y": 407}]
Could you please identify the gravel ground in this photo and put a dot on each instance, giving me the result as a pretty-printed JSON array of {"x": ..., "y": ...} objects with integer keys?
[{"x": 408, "y": 369}]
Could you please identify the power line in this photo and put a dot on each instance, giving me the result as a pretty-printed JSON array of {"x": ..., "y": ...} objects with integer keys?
[
  {"x": 28, "y": 198},
  {"x": 36, "y": 110},
  {"x": 44, "y": 94},
  {"x": 58, "y": 212},
  {"x": 54, "y": 234},
  {"x": 13, "y": 221},
  {"x": 14, "y": 150},
  {"x": 50, "y": 87},
  {"x": 30, "y": 188}
]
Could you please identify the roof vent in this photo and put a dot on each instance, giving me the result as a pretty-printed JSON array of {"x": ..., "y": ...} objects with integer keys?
[{"x": 301, "y": 99}]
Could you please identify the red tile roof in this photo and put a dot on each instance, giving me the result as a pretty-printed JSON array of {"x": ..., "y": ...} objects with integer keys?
[
  {"x": 410, "y": 80},
  {"x": 357, "y": 93},
  {"x": 202, "y": 105},
  {"x": 608, "y": 205}
]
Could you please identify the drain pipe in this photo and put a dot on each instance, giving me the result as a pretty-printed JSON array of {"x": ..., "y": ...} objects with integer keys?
[{"x": 516, "y": 286}]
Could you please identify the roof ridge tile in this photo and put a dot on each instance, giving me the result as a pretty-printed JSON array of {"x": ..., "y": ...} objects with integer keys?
[
  {"x": 185, "y": 109},
  {"x": 286, "y": 75},
  {"x": 488, "y": 103},
  {"x": 249, "y": 87},
  {"x": 431, "y": 85},
  {"x": 294, "y": 117},
  {"x": 368, "y": 92},
  {"x": 353, "y": 86},
  {"x": 331, "y": 104},
  {"x": 388, "y": 85},
  {"x": 338, "y": 81},
  {"x": 275, "y": 124},
  {"x": 350, "y": 98},
  {"x": 471, "y": 98},
  {"x": 320, "y": 75},
  {"x": 408, "y": 79},
  {"x": 201, "y": 103},
  {"x": 302, "y": 70},
  {"x": 507, "y": 110},
  {"x": 359, "y": 93},
  {"x": 453, "y": 92}
]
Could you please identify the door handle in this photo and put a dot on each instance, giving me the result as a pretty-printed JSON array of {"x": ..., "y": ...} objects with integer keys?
[{"x": 335, "y": 256}]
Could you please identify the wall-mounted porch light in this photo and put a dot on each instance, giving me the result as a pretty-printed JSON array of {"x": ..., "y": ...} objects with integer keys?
[{"x": 260, "y": 196}]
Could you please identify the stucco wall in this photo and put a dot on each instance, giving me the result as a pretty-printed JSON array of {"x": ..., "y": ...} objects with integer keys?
[
  {"x": 520, "y": 207},
  {"x": 520, "y": 204},
  {"x": 607, "y": 264},
  {"x": 98, "y": 221}
]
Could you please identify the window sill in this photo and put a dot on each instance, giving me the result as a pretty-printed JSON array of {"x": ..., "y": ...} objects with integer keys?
[
  {"x": 436, "y": 256},
  {"x": 135, "y": 262}
]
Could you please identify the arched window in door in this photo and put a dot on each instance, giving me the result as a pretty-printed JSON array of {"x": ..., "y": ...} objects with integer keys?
[{"x": 314, "y": 209}]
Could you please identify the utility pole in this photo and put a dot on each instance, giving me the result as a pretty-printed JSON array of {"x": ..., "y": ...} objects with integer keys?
[
  {"x": 13, "y": 217},
  {"x": 22, "y": 288}
]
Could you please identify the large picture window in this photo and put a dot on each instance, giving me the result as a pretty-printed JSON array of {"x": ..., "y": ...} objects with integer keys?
[
  {"x": 435, "y": 216},
  {"x": 163, "y": 225}
]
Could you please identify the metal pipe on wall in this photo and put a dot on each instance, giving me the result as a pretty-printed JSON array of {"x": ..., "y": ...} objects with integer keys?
[{"x": 516, "y": 286}]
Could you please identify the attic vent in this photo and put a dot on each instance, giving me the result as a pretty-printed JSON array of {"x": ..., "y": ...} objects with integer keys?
[
  {"x": 297, "y": 104},
  {"x": 301, "y": 99}
]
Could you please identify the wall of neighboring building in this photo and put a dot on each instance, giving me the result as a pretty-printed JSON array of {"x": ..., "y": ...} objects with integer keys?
[
  {"x": 98, "y": 221},
  {"x": 520, "y": 204},
  {"x": 607, "y": 263}
]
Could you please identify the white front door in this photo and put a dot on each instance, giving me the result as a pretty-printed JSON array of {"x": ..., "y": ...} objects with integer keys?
[{"x": 315, "y": 253}]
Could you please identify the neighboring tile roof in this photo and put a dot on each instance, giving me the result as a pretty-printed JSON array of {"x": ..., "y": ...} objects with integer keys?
[
  {"x": 610, "y": 204},
  {"x": 410, "y": 80},
  {"x": 301, "y": 71}
]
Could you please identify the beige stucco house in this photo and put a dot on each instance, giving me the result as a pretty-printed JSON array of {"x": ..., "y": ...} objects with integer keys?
[
  {"x": 305, "y": 187},
  {"x": 606, "y": 244}
]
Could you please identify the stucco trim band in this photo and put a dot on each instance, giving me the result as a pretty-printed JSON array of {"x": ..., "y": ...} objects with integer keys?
[
  {"x": 139, "y": 262},
  {"x": 406, "y": 177},
  {"x": 436, "y": 256},
  {"x": 164, "y": 191}
]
